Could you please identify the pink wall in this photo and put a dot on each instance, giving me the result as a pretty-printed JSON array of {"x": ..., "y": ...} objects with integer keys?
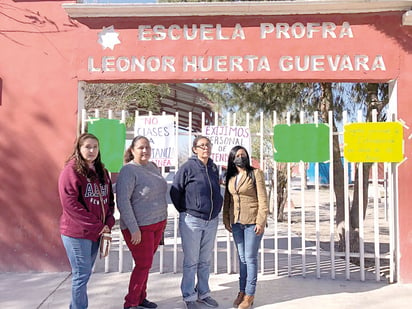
[
  {"x": 405, "y": 175},
  {"x": 44, "y": 54},
  {"x": 37, "y": 128}
]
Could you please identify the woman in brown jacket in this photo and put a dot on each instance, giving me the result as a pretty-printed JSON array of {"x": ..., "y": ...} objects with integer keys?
[{"x": 244, "y": 215}]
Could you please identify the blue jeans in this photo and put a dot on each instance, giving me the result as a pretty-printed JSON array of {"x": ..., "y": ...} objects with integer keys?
[
  {"x": 82, "y": 255},
  {"x": 198, "y": 239},
  {"x": 247, "y": 244}
]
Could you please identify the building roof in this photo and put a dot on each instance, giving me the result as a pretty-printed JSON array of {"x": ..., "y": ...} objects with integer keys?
[{"x": 186, "y": 99}]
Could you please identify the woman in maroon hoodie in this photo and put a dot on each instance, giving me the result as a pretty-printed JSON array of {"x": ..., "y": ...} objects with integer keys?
[{"x": 84, "y": 184}]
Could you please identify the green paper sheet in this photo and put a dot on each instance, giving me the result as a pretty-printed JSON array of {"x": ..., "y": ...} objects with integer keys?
[
  {"x": 112, "y": 137},
  {"x": 301, "y": 142}
]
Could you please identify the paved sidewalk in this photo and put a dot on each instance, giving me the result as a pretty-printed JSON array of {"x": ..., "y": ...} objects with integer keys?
[{"x": 106, "y": 291}]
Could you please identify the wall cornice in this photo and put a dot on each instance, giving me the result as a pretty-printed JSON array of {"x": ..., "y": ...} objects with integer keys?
[{"x": 76, "y": 10}]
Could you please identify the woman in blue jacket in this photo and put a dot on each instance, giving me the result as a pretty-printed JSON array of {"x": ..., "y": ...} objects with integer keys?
[{"x": 196, "y": 195}]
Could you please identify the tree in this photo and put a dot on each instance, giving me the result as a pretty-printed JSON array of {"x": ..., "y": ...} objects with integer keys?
[
  {"x": 125, "y": 96},
  {"x": 256, "y": 98},
  {"x": 310, "y": 97},
  {"x": 368, "y": 97}
]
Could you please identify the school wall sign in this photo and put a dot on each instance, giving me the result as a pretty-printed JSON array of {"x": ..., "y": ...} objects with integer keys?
[
  {"x": 50, "y": 47},
  {"x": 277, "y": 59},
  {"x": 264, "y": 48}
]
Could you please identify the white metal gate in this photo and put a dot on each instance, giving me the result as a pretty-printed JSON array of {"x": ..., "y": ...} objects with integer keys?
[{"x": 305, "y": 243}]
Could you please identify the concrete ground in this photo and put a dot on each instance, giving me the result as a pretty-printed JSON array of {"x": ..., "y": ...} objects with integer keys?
[{"x": 106, "y": 291}]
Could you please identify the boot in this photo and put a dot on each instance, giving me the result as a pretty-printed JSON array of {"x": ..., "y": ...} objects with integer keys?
[
  {"x": 238, "y": 299},
  {"x": 247, "y": 302}
]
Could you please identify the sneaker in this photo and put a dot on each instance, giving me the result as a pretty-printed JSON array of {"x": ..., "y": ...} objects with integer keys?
[
  {"x": 191, "y": 305},
  {"x": 147, "y": 304},
  {"x": 209, "y": 301}
]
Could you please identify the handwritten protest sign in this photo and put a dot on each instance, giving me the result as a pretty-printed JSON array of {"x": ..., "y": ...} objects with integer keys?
[
  {"x": 224, "y": 139},
  {"x": 161, "y": 134}
]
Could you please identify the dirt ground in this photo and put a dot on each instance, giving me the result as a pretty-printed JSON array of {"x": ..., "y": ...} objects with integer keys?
[
  {"x": 308, "y": 199},
  {"x": 304, "y": 203}
]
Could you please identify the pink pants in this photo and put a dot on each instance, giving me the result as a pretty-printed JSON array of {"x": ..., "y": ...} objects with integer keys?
[{"x": 143, "y": 258}]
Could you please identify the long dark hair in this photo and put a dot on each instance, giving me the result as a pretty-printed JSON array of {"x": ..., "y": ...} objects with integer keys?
[
  {"x": 128, "y": 155},
  {"x": 80, "y": 164},
  {"x": 231, "y": 167}
]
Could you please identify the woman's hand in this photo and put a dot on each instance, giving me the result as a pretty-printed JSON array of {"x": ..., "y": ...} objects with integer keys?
[
  {"x": 136, "y": 237},
  {"x": 259, "y": 229},
  {"x": 105, "y": 229},
  {"x": 228, "y": 227}
]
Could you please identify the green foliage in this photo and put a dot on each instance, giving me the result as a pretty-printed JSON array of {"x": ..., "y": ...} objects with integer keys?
[
  {"x": 255, "y": 99},
  {"x": 297, "y": 99},
  {"x": 125, "y": 96}
]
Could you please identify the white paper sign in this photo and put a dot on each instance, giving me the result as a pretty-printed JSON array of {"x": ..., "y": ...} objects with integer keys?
[
  {"x": 161, "y": 134},
  {"x": 224, "y": 139}
]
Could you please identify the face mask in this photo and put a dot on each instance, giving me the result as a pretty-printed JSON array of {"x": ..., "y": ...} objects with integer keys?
[{"x": 240, "y": 161}]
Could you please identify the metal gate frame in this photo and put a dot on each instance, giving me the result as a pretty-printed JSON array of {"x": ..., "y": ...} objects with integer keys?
[{"x": 290, "y": 250}]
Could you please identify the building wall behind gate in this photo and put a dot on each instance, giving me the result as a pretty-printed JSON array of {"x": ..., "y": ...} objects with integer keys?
[{"x": 45, "y": 54}]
